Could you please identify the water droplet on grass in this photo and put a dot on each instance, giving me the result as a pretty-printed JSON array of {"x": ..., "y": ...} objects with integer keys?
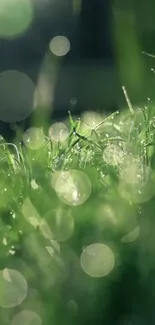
[
  {"x": 137, "y": 181},
  {"x": 60, "y": 45}
]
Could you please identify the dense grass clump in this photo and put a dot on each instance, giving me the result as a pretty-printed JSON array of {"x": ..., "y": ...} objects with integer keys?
[{"x": 76, "y": 221}]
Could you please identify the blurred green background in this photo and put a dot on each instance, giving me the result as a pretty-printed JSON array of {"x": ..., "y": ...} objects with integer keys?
[{"x": 76, "y": 55}]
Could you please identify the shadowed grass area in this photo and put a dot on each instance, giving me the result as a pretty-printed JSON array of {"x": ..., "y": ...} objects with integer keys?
[{"x": 76, "y": 221}]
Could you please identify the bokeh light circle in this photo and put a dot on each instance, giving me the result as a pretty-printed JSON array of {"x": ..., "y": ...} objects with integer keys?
[
  {"x": 58, "y": 132},
  {"x": 34, "y": 138},
  {"x": 137, "y": 182},
  {"x": 16, "y": 96},
  {"x": 73, "y": 187},
  {"x": 131, "y": 169},
  {"x": 60, "y": 45},
  {"x": 89, "y": 121},
  {"x": 15, "y": 17},
  {"x": 26, "y": 317},
  {"x": 13, "y": 288},
  {"x": 113, "y": 155},
  {"x": 131, "y": 236},
  {"x": 60, "y": 225},
  {"x": 97, "y": 260}
]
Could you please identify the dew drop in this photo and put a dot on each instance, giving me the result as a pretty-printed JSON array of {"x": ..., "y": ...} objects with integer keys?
[{"x": 16, "y": 95}]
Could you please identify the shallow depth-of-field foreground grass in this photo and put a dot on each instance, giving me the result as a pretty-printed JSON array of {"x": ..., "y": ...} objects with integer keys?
[{"x": 77, "y": 223}]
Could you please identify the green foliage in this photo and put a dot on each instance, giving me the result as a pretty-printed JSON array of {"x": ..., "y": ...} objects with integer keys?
[{"x": 110, "y": 165}]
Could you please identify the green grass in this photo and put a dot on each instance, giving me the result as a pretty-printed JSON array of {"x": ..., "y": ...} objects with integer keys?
[{"x": 110, "y": 165}]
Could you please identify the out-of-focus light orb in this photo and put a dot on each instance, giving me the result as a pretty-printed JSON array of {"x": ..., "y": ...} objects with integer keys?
[
  {"x": 15, "y": 17},
  {"x": 131, "y": 236},
  {"x": 16, "y": 96},
  {"x": 61, "y": 225},
  {"x": 34, "y": 138},
  {"x": 89, "y": 121},
  {"x": 26, "y": 317},
  {"x": 113, "y": 155},
  {"x": 137, "y": 181},
  {"x": 97, "y": 260},
  {"x": 131, "y": 169},
  {"x": 73, "y": 187},
  {"x": 60, "y": 45},
  {"x": 13, "y": 288},
  {"x": 58, "y": 132}
]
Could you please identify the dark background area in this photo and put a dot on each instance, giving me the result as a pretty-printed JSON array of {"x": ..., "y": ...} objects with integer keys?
[
  {"x": 87, "y": 72},
  {"x": 107, "y": 39}
]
